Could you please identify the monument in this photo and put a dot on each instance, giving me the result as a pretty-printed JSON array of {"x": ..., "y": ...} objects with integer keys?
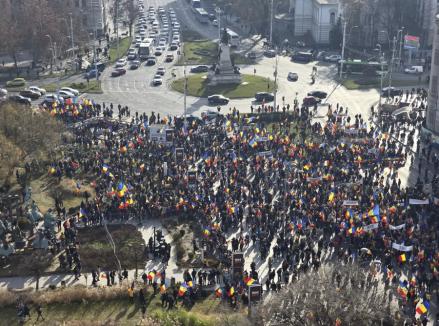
[{"x": 224, "y": 72}]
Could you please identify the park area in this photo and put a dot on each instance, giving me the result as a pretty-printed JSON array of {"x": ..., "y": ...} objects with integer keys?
[{"x": 197, "y": 85}]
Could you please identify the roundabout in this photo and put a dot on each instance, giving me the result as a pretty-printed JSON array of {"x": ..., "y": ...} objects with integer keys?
[{"x": 198, "y": 86}]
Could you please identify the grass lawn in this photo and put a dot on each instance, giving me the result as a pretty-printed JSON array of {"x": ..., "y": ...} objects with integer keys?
[
  {"x": 197, "y": 86},
  {"x": 199, "y": 52},
  {"x": 188, "y": 35},
  {"x": 95, "y": 250},
  {"x": 353, "y": 84},
  {"x": 124, "y": 45},
  {"x": 208, "y": 312},
  {"x": 93, "y": 87}
]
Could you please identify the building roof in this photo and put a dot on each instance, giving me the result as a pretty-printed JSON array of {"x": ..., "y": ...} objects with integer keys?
[{"x": 327, "y": 2}]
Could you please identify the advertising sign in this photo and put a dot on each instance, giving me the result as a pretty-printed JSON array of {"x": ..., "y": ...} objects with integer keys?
[{"x": 411, "y": 42}]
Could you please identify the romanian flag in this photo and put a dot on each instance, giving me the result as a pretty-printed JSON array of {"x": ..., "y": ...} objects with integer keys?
[
  {"x": 352, "y": 230},
  {"x": 52, "y": 170},
  {"x": 182, "y": 290},
  {"x": 162, "y": 288},
  {"x": 413, "y": 281},
  {"x": 249, "y": 281},
  {"x": 130, "y": 201},
  {"x": 402, "y": 258},
  {"x": 218, "y": 293},
  {"x": 422, "y": 307},
  {"x": 216, "y": 226},
  {"x": 349, "y": 214},
  {"x": 231, "y": 292},
  {"x": 374, "y": 212},
  {"x": 402, "y": 290},
  {"x": 121, "y": 189},
  {"x": 82, "y": 212},
  {"x": 151, "y": 276}
]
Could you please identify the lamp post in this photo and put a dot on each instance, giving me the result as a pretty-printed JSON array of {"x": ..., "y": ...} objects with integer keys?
[
  {"x": 71, "y": 35},
  {"x": 218, "y": 12},
  {"x": 400, "y": 45},
  {"x": 275, "y": 82},
  {"x": 381, "y": 79},
  {"x": 342, "y": 48},
  {"x": 53, "y": 56},
  {"x": 271, "y": 24}
]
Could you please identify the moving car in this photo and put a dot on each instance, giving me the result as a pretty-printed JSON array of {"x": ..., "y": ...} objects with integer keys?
[
  {"x": 20, "y": 99},
  {"x": 16, "y": 82},
  {"x": 333, "y": 58},
  {"x": 157, "y": 80},
  {"x": 161, "y": 71},
  {"x": 120, "y": 63},
  {"x": 264, "y": 96},
  {"x": 217, "y": 99},
  {"x": 40, "y": 90},
  {"x": 414, "y": 70},
  {"x": 318, "y": 94},
  {"x": 311, "y": 100},
  {"x": 158, "y": 51},
  {"x": 71, "y": 90},
  {"x": 118, "y": 72},
  {"x": 292, "y": 76},
  {"x": 169, "y": 57},
  {"x": 202, "y": 68},
  {"x": 134, "y": 64},
  {"x": 214, "y": 22},
  {"x": 174, "y": 46},
  {"x": 30, "y": 94},
  {"x": 150, "y": 61},
  {"x": 132, "y": 56},
  {"x": 391, "y": 91}
]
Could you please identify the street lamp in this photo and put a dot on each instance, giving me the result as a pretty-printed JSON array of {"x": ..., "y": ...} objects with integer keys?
[
  {"x": 218, "y": 12},
  {"x": 381, "y": 78},
  {"x": 53, "y": 55},
  {"x": 271, "y": 24},
  {"x": 342, "y": 48}
]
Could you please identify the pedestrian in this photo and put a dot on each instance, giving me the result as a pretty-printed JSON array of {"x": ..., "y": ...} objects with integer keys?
[{"x": 39, "y": 311}]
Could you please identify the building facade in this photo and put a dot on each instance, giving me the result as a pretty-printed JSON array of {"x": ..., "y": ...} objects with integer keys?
[
  {"x": 316, "y": 17},
  {"x": 433, "y": 105},
  {"x": 426, "y": 13}
]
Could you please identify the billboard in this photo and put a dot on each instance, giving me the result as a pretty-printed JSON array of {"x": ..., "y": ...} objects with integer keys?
[{"x": 411, "y": 42}]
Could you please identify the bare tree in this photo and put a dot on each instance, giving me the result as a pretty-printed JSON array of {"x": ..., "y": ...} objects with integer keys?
[
  {"x": 335, "y": 293},
  {"x": 132, "y": 14}
]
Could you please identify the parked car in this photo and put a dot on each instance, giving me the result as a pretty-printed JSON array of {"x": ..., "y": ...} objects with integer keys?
[
  {"x": 333, "y": 58},
  {"x": 99, "y": 65},
  {"x": 16, "y": 82},
  {"x": 150, "y": 61},
  {"x": 118, "y": 72},
  {"x": 71, "y": 90},
  {"x": 161, "y": 71},
  {"x": 169, "y": 57},
  {"x": 134, "y": 64},
  {"x": 3, "y": 94},
  {"x": 50, "y": 98},
  {"x": 91, "y": 74},
  {"x": 318, "y": 94},
  {"x": 392, "y": 91},
  {"x": 20, "y": 99},
  {"x": 40, "y": 90},
  {"x": 209, "y": 115},
  {"x": 414, "y": 70},
  {"x": 264, "y": 96},
  {"x": 121, "y": 63},
  {"x": 292, "y": 76},
  {"x": 270, "y": 53},
  {"x": 202, "y": 68},
  {"x": 311, "y": 101},
  {"x": 211, "y": 17},
  {"x": 157, "y": 80},
  {"x": 217, "y": 99},
  {"x": 30, "y": 94},
  {"x": 66, "y": 94}
]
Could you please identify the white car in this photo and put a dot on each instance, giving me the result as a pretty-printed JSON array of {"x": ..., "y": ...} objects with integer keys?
[
  {"x": 40, "y": 90},
  {"x": 50, "y": 98},
  {"x": 3, "y": 94},
  {"x": 121, "y": 63},
  {"x": 157, "y": 80},
  {"x": 333, "y": 58},
  {"x": 71, "y": 90},
  {"x": 65, "y": 94},
  {"x": 414, "y": 70}
]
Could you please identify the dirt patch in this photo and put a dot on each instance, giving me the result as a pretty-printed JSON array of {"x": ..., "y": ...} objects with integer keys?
[{"x": 96, "y": 250}]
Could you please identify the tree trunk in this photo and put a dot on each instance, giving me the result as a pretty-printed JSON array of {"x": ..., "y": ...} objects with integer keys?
[{"x": 37, "y": 285}]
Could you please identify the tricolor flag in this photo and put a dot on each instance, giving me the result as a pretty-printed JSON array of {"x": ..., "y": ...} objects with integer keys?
[
  {"x": 231, "y": 292},
  {"x": 190, "y": 284},
  {"x": 402, "y": 258},
  {"x": 206, "y": 232},
  {"x": 151, "y": 276},
  {"x": 182, "y": 290},
  {"x": 249, "y": 281},
  {"x": 82, "y": 212},
  {"x": 121, "y": 189},
  {"x": 422, "y": 307},
  {"x": 105, "y": 168},
  {"x": 218, "y": 293}
]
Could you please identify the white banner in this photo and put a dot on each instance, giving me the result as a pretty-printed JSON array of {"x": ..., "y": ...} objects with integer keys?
[
  {"x": 267, "y": 153},
  {"x": 401, "y": 247},
  {"x": 350, "y": 202},
  {"x": 399, "y": 227},
  {"x": 418, "y": 201},
  {"x": 370, "y": 227},
  {"x": 309, "y": 179}
]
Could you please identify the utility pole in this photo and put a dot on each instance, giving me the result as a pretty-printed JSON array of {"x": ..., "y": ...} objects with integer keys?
[
  {"x": 401, "y": 41},
  {"x": 117, "y": 28},
  {"x": 94, "y": 42},
  {"x": 381, "y": 79},
  {"x": 218, "y": 12},
  {"x": 275, "y": 82},
  {"x": 185, "y": 94},
  {"x": 392, "y": 63},
  {"x": 71, "y": 35},
  {"x": 271, "y": 24},
  {"x": 342, "y": 49}
]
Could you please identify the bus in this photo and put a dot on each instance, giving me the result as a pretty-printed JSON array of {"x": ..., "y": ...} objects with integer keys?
[
  {"x": 358, "y": 67},
  {"x": 145, "y": 48},
  {"x": 234, "y": 40},
  {"x": 201, "y": 15},
  {"x": 304, "y": 57}
]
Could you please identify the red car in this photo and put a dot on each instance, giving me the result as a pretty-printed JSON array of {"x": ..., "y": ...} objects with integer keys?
[{"x": 118, "y": 72}]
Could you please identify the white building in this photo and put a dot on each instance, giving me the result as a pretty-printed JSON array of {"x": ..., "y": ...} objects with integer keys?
[{"x": 316, "y": 17}]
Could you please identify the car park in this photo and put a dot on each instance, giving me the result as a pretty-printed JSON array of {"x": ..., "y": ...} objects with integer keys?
[
  {"x": 217, "y": 99},
  {"x": 134, "y": 64},
  {"x": 311, "y": 100},
  {"x": 20, "y": 99},
  {"x": 264, "y": 96},
  {"x": 118, "y": 72},
  {"x": 30, "y": 94},
  {"x": 40, "y": 90},
  {"x": 201, "y": 68},
  {"x": 71, "y": 90},
  {"x": 292, "y": 76},
  {"x": 121, "y": 63},
  {"x": 16, "y": 82},
  {"x": 318, "y": 94}
]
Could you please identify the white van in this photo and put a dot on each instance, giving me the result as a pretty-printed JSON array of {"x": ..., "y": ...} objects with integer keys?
[{"x": 414, "y": 70}]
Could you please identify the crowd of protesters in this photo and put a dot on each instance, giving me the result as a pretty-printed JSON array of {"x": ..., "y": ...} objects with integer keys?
[{"x": 296, "y": 190}]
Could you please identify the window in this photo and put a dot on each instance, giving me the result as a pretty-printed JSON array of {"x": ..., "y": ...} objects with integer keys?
[{"x": 332, "y": 18}]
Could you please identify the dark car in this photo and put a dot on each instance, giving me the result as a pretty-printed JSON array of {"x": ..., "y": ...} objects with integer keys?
[
  {"x": 263, "y": 96},
  {"x": 100, "y": 66},
  {"x": 30, "y": 94},
  {"x": 151, "y": 61},
  {"x": 292, "y": 76},
  {"x": 91, "y": 74},
  {"x": 20, "y": 99},
  {"x": 392, "y": 91},
  {"x": 217, "y": 99},
  {"x": 212, "y": 17},
  {"x": 118, "y": 72},
  {"x": 270, "y": 53},
  {"x": 201, "y": 68},
  {"x": 134, "y": 64},
  {"x": 311, "y": 100},
  {"x": 318, "y": 94}
]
